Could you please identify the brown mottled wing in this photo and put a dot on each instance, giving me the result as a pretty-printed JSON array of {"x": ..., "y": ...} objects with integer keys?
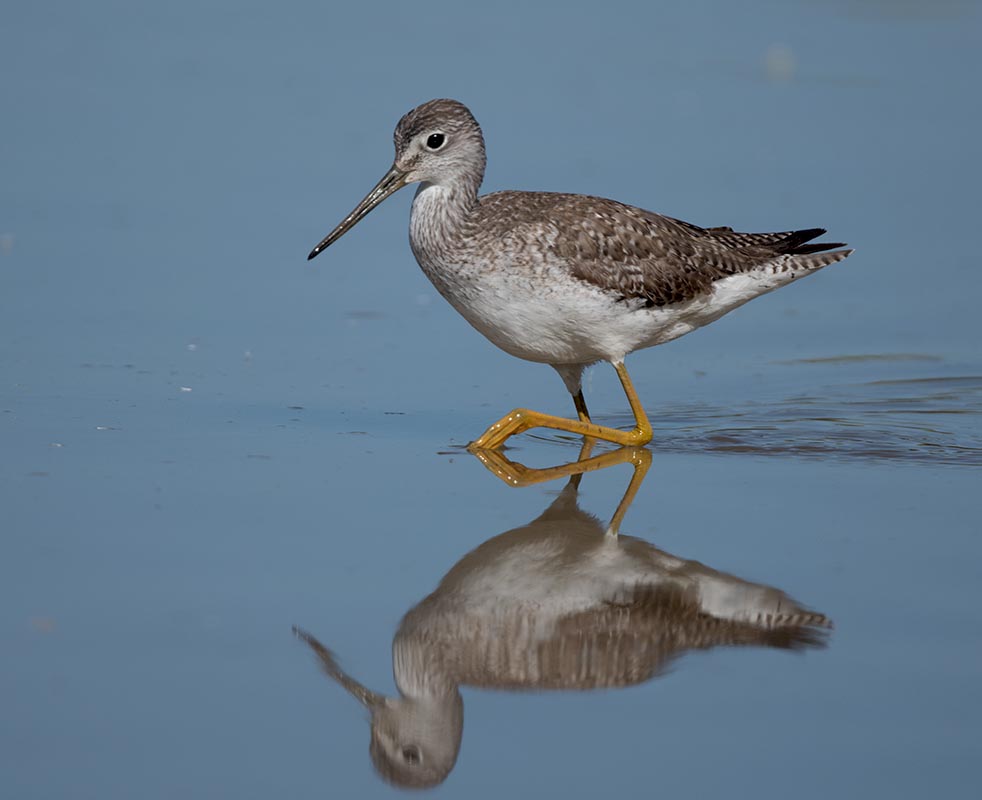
[
  {"x": 633, "y": 252},
  {"x": 607, "y": 645}
]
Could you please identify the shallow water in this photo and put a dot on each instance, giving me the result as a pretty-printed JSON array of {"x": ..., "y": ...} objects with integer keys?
[{"x": 205, "y": 441}]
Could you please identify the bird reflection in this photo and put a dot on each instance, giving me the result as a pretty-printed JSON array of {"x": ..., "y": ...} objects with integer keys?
[{"x": 563, "y": 602}]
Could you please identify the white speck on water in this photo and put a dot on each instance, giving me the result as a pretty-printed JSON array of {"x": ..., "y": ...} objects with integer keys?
[
  {"x": 56, "y": 444},
  {"x": 192, "y": 347},
  {"x": 186, "y": 389},
  {"x": 780, "y": 63}
]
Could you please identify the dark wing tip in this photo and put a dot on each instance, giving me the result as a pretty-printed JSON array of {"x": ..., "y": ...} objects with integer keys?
[
  {"x": 818, "y": 247},
  {"x": 794, "y": 245},
  {"x": 798, "y": 238}
]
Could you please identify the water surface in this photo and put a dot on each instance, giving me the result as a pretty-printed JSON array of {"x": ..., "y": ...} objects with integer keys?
[{"x": 205, "y": 441}]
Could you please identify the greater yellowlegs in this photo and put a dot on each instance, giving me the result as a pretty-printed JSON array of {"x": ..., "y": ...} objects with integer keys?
[
  {"x": 568, "y": 279},
  {"x": 561, "y": 603}
]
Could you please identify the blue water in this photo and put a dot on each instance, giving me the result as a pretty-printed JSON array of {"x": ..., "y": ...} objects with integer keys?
[{"x": 205, "y": 440}]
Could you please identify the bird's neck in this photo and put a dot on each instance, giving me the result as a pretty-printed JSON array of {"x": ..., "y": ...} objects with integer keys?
[
  {"x": 439, "y": 218},
  {"x": 419, "y": 670}
]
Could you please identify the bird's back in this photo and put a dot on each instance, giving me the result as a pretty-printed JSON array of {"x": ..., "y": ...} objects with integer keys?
[{"x": 628, "y": 251}]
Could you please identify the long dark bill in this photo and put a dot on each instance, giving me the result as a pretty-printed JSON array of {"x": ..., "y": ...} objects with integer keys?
[
  {"x": 366, "y": 697},
  {"x": 392, "y": 181}
]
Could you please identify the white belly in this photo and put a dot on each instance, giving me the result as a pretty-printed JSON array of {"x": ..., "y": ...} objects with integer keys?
[
  {"x": 576, "y": 326},
  {"x": 572, "y": 322}
]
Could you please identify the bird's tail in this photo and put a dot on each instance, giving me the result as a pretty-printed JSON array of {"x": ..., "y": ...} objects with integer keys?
[{"x": 814, "y": 255}]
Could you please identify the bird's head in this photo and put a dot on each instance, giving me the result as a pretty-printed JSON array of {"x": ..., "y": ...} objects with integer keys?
[{"x": 438, "y": 142}]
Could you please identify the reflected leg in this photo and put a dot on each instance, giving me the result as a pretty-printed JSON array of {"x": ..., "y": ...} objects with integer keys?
[{"x": 516, "y": 474}]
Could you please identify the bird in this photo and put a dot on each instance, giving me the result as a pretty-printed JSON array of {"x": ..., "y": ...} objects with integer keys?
[
  {"x": 562, "y": 603},
  {"x": 569, "y": 280}
]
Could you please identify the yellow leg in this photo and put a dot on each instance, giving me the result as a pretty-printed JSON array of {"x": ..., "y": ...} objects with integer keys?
[{"x": 522, "y": 419}]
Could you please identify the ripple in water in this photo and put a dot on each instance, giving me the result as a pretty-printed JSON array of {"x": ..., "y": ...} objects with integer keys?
[{"x": 918, "y": 421}]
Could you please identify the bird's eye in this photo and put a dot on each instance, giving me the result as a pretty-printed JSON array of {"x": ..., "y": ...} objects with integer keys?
[
  {"x": 411, "y": 754},
  {"x": 435, "y": 141}
]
